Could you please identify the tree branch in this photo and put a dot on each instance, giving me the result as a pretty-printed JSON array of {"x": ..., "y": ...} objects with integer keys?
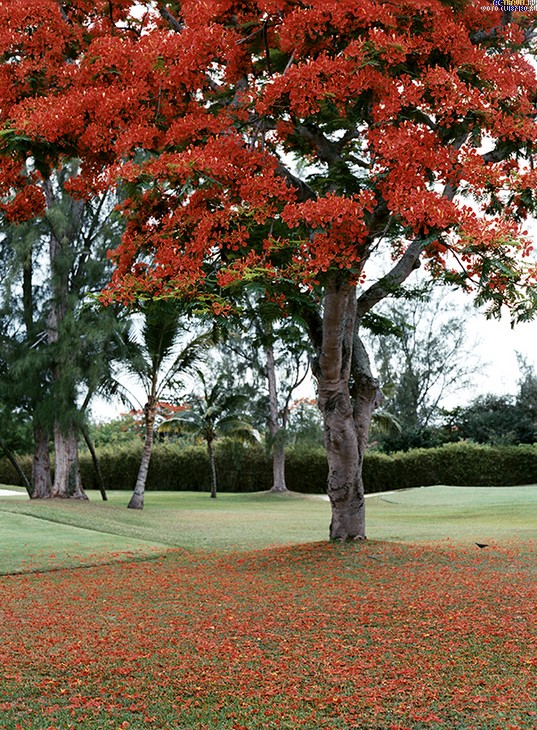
[
  {"x": 328, "y": 151},
  {"x": 304, "y": 192},
  {"x": 63, "y": 13},
  {"x": 382, "y": 288},
  {"x": 174, "y": 24}
]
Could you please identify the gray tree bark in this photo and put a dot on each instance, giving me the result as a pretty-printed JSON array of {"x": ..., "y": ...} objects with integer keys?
[
  {"x": 67, "y": 481},
  {"x": 275, "y": 430},
  {"x": 333, "y": 373},
  {"x": 137, "y": 498},
  {"x": 41, "y": 475}
]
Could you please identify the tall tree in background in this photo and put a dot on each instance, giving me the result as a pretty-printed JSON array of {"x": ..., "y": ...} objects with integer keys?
[
  {"x": 395, "y": 113},
  {"x": 424, "y": 358},
  {"x": 499, "y": 419},
  {"x": 52, "y": 266},
  {"x": 213, "y": 412},
  {"x": 272, "y": 353}
]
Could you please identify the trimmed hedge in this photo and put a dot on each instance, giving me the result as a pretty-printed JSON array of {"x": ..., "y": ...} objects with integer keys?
[{"x": 249, "y": 469}]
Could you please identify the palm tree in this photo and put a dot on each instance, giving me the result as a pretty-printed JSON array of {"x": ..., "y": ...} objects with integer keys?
[
  {"x": 211, "y": 415},
  {"x": 152, "y": 359}
]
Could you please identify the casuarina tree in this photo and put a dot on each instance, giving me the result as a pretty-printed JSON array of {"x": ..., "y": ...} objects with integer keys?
[
  {"x": 287, "y": 141},
  {"x": 54, "y": 342}
]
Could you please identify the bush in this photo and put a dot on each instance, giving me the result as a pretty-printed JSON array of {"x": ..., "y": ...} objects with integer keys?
[
  {"x": 249, "y": 469},
  {"x": 458, "y": 464},
  {"x": 8, "y": 474}
]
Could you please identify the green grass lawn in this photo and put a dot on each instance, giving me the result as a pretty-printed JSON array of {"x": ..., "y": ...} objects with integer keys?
[
  {"x": 239, "y": 614},
  {"x": 86, "y": 532}
]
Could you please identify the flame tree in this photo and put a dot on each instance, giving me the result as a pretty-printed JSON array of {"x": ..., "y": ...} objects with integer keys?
[{"x": 283, "y": 143}]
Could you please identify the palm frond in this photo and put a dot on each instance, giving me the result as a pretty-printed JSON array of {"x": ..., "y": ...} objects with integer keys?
[{"x": 160, "y": 329}]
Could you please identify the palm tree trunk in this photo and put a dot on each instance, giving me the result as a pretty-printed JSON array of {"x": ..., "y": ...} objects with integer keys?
[
  {"x": 212, "y": 463},
  {"x": 137, "y": 498}
]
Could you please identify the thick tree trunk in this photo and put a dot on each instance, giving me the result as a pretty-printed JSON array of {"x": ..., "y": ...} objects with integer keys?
[
  {"x": 275, "y": 430},
  {"x": 67, "y": 481},
  {"x": 137, "y": 498},
  {"x": 41, "y": 475},
  {"x": 333, "y": 372},
  {"x": 278, "y": 468},
  {"x": 212, "y": 463}
]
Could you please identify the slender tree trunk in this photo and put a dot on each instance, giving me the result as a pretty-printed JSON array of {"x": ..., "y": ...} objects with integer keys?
[
  {"x": 333, "y": 370},
  {"x": 41, "y": 474},
  {"x": 137, "y": 498},
  {"x": 95, "y": 460},
  {"x": 275, "y": 430},
  {"x": 67, "y": 481},
  {"x": 212, "y": 464},
  {"x": 15, "y": 464}
]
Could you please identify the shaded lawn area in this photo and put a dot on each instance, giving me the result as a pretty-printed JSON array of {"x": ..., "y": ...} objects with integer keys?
[
  {"x": 212, "y": 634},
  {"x": 369, "y": 635}
]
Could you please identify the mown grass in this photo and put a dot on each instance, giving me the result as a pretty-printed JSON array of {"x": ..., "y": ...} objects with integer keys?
[
  {"x": 231, "y": 626},
  {"x": 249, "y": 521}
]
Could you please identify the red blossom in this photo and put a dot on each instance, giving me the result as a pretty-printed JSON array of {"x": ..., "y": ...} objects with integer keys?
[{"x": 319, "y": 636}]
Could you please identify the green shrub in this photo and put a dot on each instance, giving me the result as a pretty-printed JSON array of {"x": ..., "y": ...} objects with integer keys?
[
  {"x": 8, "y": 474},
  {"x": 248, "y": 468},
  {"x": 458, "y": 464}
]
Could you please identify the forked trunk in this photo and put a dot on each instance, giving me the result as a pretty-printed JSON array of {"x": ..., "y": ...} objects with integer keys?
[
  {"x": 275, "y": 430},
  {"x": 137, "y": 498},
  {"x": 333, "y": 372},
  {"x": 67, "y": 481},
  {"x": 212, "y": 463},
  {"x": 41, "y": 475},
  {"x": 366, "y": 395}
]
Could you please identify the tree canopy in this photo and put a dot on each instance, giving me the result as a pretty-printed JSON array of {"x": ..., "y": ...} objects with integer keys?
[
  {"x": 400, "y": 112},
  {"x": 283, "y": 143}
]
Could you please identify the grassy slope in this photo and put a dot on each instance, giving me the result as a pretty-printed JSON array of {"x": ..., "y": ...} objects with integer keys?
[
  {"x": 67, "y": 533},
  {"x": 315, "y": 636}
]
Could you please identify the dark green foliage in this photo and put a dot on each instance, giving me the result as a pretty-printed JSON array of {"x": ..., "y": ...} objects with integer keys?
[
  {"x": 121, "y": 431},
  {"x": 247, "y": 468},
  {"x": 495, "y": 420},
  {"x": 500, "y": 419},
  {"x": 460, "y": 464},
  {"x": 176, "y": 467},
  {"x": 8, "y": 475},
  {"x": 421, "y": 351}
]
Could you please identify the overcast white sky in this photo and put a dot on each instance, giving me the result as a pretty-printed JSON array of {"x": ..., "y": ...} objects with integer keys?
[{"x": 497, "y": 351}]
